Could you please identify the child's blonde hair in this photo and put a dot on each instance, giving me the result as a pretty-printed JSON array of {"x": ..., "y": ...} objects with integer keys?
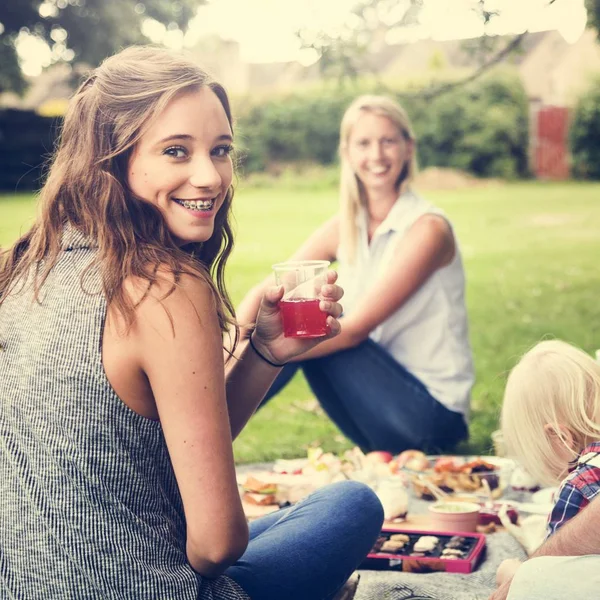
[{"x": 553, "y": 384}]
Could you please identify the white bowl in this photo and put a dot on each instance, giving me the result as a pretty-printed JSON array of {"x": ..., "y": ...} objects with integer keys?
[{"x": 454, "y": 516}]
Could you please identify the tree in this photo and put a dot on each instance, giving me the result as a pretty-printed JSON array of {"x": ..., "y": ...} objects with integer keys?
[
  {"x": 593, "y": 10},
  {"x": 81, "y": 30},
  {"x": 348, "y": 52},
  {"x": 584, "y": 134}
]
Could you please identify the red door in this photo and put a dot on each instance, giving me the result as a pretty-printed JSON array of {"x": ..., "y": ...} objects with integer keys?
[{"x": 551, "y": 153}]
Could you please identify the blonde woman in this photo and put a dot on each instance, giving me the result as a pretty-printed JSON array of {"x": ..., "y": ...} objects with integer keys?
[
  {"x": 551, "y": 425},
  {"x": 117, "y": 416},
  {"x": 400, "y": 373}
]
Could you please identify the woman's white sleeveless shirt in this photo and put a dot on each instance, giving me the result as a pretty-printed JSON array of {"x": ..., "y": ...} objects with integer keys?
[{"x": 428, "y": 334}]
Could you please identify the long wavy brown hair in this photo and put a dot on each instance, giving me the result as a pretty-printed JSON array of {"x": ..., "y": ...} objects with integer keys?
[{"x": 86, "y": 186}]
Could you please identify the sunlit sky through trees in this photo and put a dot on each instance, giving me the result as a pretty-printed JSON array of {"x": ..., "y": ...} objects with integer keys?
[{"x": 265, "y": 29}]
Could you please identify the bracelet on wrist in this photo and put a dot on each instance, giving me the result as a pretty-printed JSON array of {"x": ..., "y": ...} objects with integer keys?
[{"x": 263, "y": 356}]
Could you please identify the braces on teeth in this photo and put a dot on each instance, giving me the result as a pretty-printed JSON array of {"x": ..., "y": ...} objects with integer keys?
[{"x": 197, "y": 205}]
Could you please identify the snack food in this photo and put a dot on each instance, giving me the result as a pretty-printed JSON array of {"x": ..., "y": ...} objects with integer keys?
[
  {"x": 424, "y": 552},
  {"x": 259, "y": 499},
  {"x": 257, "y": 486},
  {"x": 458, "y": 474},
  {"x": 426, "y": 543},
  {"x": 414, "y": 460},
  {"x": 259, "y": 492},
  {"x": 392, "y": 546}
]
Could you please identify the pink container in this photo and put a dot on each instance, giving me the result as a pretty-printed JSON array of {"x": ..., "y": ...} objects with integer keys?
[
  {"x": 406, "y": 561},
  {"x": 455, "y": 516}
]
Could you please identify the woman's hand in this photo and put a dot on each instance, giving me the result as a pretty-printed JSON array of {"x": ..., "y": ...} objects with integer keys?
[
  {"x": 268, "y": 334},
  {"x": 506, "y": 570}
]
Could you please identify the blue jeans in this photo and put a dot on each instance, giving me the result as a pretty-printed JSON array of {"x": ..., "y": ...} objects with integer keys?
[
  {"x": 308, "y": 551},
  {"x": 376, "y": 402}
]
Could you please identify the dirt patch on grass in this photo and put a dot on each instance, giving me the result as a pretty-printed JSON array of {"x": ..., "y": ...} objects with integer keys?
[
  {"x": 552, "y": 219},
  {"x": 439, "y": 178}
]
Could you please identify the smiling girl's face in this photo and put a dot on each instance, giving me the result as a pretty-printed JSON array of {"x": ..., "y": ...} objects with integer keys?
[{"x": 182, "y": 164}]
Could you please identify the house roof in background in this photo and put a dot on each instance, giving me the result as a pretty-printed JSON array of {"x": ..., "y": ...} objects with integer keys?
[{"x": 540, "y": 54}]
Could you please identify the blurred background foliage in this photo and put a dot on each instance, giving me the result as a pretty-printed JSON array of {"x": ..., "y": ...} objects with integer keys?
[
  {"x": 481, "y": 127},
  {"x": 585, "y": 134},
  {"x": 478, "y": 122},
  {"x": 81, "y": 31}
]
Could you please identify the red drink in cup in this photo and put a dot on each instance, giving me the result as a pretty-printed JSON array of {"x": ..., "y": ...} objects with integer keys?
[
  {"x": 302, "y": 282},
  {"x": 303, "y": 318}
]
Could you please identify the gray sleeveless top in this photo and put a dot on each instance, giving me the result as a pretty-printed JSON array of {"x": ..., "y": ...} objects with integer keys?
[{"x": 89, "y": 504}]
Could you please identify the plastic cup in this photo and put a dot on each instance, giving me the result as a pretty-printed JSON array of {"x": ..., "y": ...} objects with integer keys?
[
  {"x": 498, "y": 441},
  {"x": 302, "y": 281}
]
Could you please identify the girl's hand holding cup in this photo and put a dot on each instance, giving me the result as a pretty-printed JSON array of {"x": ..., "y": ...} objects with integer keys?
[{"x": 298, "y": 313}]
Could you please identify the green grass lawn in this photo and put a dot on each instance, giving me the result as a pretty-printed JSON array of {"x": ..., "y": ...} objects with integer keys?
[{"x": 530, "y": 252}]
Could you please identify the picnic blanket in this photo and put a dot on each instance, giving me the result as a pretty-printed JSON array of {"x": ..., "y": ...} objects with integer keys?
[
  {"x": 478, "y": 585},
  {"x": 392, "y": 585}
]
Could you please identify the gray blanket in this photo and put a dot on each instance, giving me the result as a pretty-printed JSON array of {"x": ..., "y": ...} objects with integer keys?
[
  {"x": 478, "y": 585},
  {"x": 391, "y": 585}
]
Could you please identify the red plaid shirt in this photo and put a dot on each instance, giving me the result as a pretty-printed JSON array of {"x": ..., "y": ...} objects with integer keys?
[{"x": 578, "y": 488}]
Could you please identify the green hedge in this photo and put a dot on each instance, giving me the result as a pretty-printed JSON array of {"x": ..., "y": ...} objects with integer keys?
[
  {"x": 585, "y": 134},
  {"x": 26, "y": 139},
  {"x": 481, "y": 127}
]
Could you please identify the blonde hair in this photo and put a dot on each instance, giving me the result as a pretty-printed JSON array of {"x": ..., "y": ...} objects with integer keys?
[
  {"x": 87, "y": 185},
  {"x": 352, "y": 193},
  {"x": 553, "y": 384}
]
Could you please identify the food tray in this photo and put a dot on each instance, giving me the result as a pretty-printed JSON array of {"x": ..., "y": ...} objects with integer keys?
[
  {"x": 462, "y": 474},
  {"x": 471, "y": 545}
]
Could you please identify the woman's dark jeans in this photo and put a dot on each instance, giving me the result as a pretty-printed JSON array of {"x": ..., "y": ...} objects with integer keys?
[
  {"x": 376, "y": 402},
  {"x": 307, "y": 552}
]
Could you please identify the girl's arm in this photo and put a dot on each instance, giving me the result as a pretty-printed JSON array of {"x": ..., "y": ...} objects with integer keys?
[
  {"x": 248, "y": 375},
  {"x": 177, "y": 341},
  {"x": 579, "y": 537},
  {"x": 428, "y": 246}
]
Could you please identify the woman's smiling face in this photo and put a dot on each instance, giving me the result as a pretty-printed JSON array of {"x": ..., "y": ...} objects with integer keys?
[
  {"x": 378, "y": 151},
  {"x": 182, "y": 164}
]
